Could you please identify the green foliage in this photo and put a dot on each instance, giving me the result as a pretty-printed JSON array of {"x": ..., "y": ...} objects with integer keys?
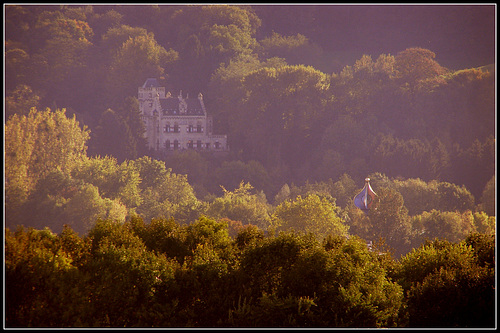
[
  {"x": 308, "y": 285},
  {"x": 163, "y": 274},
  {"x": 36, "y": 145},
  {"x": 453, "y": 226},
  {"x": 423, "y": 196},
  {"x": 389, "y": 220},
  {"x": 280, "y": 107},
  {"x": 231, "y": 174},
  {"x": 137, "y": 57},
  {"x": 241, "y": 205},
  {"x": 484, "y": 224},
  {"x": 447, "y": 285},
  {"x": 488, "y": 203},
  {"x": 20, "y": 101},
  {"x": 310, "y": 214},
  {"x": 41, "y": 275},
  {"x": 292, "y": 48},
  {"x": 115, "y": 181},
  {"x": 165, "y": 194}
]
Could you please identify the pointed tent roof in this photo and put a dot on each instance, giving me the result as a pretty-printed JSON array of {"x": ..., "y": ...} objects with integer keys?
[{"x": 364, "y": 199}]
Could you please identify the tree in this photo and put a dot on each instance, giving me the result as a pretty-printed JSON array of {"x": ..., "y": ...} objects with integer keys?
[
  {"x": 137, "y": 58},
  {"x": 488, "y": 198},
  {"x": 452, "y": 226},
  {"x": 136, "y": 142},
  {"x": 231, "y": 174},
  {"x": 144, "y": 276},
  {"x": 415, "y": 65},
  {"x": 296, "y": 49},
  {"x": 41, "y": 276},
  {"x": 115, "y": 181},
  {"x": 390, "y": 221},
  {"x": 274, "y": 122},
  {"x": 420, "y": 196},
  {"x": 36, "y": 145},
  {"x": 165, "y": 194},
  {"x": 101, "y": 23},
  {"x": 344, "y": 190},
  {"x": 119, "y": 133},
  {"x": 193, "y": 164},
  {"x": 60, "y": 200},
  {"x": 59, "y": 55},
  {"x": 292, "y": 280},
  {"x": 241, "y": 205},
  {"x": 225, "y": 86},
  {"x": 311, "y": 214},
  {"x": 446, "y": 287},
  {"x": 16, "y": 67},
  {"x": 110, "y": 136},
  {"x": 20, "y": 101}
]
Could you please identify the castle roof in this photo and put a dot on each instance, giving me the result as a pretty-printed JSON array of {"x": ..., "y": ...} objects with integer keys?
[
  {"x": 151, "y": 82},
  {"x": 170, "y": 106}
]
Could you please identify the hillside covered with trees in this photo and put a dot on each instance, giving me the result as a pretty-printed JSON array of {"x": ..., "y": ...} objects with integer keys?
[{"x": 101, "y": 231}]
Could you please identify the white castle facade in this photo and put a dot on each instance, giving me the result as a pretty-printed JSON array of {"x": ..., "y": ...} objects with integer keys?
[{"x": 176, "y": 123}]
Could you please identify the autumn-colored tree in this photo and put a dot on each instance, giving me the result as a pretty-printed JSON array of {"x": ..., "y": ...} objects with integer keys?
[
  {"x": 415, "y": 65},
  {"x": 36, "y": 145}
]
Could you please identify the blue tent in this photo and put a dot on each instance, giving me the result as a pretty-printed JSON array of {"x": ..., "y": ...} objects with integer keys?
[{"x": 364, "y": 199}]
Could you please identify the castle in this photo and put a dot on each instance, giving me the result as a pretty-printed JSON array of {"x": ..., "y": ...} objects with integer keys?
[{"x": 176, "y": 123}]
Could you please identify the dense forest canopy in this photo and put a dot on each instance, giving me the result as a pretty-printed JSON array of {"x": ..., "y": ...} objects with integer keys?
[{"x": 313, "y": 98}]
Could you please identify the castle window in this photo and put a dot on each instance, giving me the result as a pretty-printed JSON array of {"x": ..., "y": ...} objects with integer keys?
[
  {"x": 167, "y": 144},
  {"x": 166, "y": 129},
  {"x": 176, "y": 128},
  {"x": 176, "y": 144},
  {"x": 190, "y": 144},
  {"x": 199, "y": 129},
  {"x": 189, "y": 129},
  {"x": 198, "y": 144}
]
